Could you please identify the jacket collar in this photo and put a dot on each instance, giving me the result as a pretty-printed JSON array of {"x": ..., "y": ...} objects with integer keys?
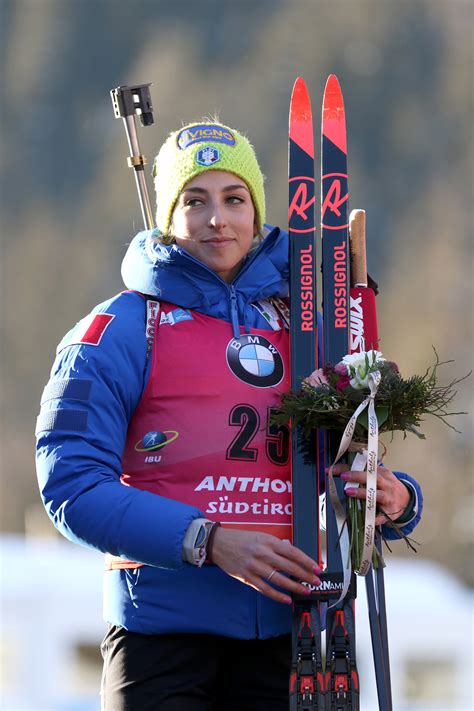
[{"x": 172, "y": 274}]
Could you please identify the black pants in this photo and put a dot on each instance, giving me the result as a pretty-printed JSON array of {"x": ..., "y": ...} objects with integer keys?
[{"x": 194, "y": 672}]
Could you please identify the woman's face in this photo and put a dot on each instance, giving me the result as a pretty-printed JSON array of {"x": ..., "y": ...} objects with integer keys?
[{"x": 214, "y": 220}]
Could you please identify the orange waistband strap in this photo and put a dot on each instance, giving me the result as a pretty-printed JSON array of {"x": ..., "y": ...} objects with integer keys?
[{"x": 113, "y": 562}]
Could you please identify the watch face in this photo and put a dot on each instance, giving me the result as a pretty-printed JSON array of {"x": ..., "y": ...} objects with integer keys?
[{"x": 201, "y": 535}]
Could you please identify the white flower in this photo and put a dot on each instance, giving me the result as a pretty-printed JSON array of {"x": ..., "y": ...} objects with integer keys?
[{"x": 360, "y": 365}]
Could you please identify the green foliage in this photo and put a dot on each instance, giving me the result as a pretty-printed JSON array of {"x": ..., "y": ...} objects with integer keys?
[{"x": 400, "y": 404}]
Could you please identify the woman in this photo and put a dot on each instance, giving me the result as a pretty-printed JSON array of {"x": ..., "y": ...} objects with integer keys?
[{"x": 154, "y": 430}]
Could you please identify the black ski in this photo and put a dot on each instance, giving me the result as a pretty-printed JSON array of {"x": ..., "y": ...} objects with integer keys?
[
  {"x": 341, "y": 676},
  {"x": 306, "y": 679}
]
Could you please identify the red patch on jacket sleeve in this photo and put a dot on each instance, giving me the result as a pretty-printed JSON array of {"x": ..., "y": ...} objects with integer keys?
[{"x": 94, "y": 330}]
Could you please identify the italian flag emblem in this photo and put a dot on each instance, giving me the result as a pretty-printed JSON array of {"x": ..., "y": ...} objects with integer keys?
[{"x": 88, "y": 331}]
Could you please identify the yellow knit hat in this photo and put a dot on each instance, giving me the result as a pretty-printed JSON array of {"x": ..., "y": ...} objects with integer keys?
[{"x": 199, "y": 147}]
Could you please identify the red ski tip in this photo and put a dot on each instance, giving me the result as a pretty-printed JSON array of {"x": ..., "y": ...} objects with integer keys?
[
  {"x": 301, "y": 117},
  {"x": 334, "y": 117},
  {"x": 332, "y": 83}
]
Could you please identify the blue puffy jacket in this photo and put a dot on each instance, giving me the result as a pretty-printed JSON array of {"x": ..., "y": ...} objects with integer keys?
[{"x": 85, "y": 410}]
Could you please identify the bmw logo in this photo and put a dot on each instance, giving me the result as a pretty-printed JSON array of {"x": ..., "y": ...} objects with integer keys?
[{"x": 255, "y": 361}]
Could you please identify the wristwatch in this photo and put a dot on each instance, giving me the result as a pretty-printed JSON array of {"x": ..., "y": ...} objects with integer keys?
[{"x": 196, "y": 541}]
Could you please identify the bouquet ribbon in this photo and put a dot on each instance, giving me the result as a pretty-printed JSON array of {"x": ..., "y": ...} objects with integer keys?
[{"x": 371, "y": 487}]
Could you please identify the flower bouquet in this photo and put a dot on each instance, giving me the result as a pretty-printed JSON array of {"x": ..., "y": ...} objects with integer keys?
[{"x": 360, "y": 397}]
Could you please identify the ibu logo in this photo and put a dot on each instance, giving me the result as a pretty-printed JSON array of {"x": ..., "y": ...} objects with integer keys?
[
  {"x": 255, "y": 361},
  {"x": 152, "y": 441},
  {"x": 208, "y": 156}
]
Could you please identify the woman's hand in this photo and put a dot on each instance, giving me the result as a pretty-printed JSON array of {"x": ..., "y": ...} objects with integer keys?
[
  {"x": 392, "y": 495},
  {"x": 264, "y": 561}
]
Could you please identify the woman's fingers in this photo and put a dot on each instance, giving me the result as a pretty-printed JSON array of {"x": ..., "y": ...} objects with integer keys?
[
  {"x": 265, "y": 563},
  {"x": 392, "y": 494},
  {"x": 289, "y": 552},
  {"x": 297, "y": 571},
  {"x": 287, "y": 584},
  {"x": 286, "y": 560},
  {"x": 338, "y": 469},
  {"x": 283, "y": 556},
  {"x": 266, "y": 589},
  {"x": 268, "y": 584}
]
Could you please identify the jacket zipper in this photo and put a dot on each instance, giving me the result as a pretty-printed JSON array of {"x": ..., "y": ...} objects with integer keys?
[{"x": 234, "y": 312}]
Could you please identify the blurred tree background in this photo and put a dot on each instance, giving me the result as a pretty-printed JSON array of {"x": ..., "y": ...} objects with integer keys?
[{"x": 69, "y": 205}]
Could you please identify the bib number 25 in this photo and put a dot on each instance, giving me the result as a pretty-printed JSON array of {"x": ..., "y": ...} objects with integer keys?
[{"x": 277, "y": 437}]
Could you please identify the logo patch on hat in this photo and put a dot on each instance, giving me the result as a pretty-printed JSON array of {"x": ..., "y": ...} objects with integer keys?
[
  {"x": 208, "y": 156},
  {"x": 205, "y": 132}
]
